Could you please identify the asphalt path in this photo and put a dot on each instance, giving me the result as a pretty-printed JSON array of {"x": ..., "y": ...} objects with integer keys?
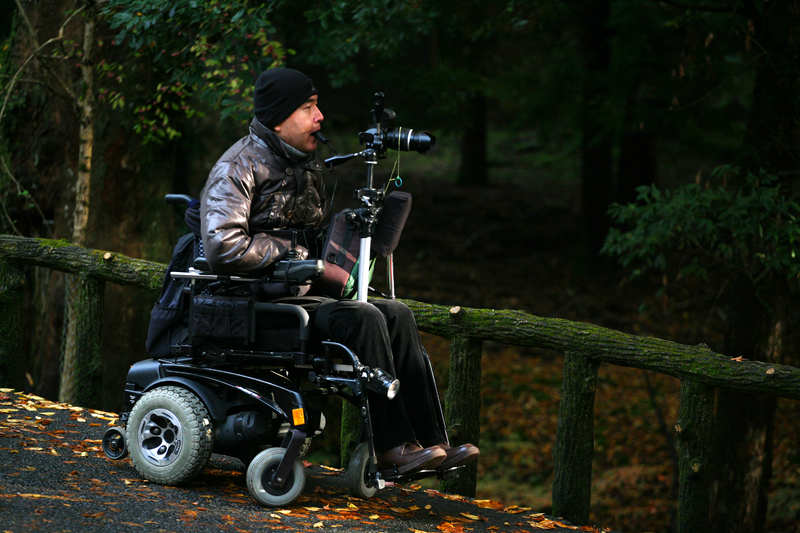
[{"x": 54, "y": 477}]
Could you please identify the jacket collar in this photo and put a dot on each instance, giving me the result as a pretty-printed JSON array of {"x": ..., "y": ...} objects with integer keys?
[{"x": 268, "y": 137}]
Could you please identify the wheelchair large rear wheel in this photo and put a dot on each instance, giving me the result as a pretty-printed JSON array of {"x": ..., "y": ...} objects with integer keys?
[
  {"x": 169, "y": 435},
  {"x": 358, "y": 473},
  {"x": 259, "y": 478}
]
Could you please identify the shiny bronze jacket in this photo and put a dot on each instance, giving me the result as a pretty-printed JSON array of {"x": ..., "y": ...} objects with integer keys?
[{"x": 257, "y": 186}]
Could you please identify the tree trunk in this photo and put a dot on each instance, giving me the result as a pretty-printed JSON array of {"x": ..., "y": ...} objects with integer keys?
[
  {"x": 473, "y": 170},
  {"x": 12, "y": 359},
  {"x": 757, "y": 327},
  {"x": 744, "y": 428},
  {"x": 80, "y": 225},
  {"x": 86, "y": 135},
  {"x": 596, "y": 140},
  {"x": 638, "y": 164},
  {"x": 772, "y": 138}
]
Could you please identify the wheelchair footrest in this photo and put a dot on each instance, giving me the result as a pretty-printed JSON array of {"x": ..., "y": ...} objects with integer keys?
[{"x": 421, "y": 474}]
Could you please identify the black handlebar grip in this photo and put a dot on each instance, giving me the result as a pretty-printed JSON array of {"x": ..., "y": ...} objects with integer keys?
[{"x": 177, "y": 199}]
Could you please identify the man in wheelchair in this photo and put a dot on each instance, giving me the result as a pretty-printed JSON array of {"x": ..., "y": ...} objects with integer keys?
[{"x": 272, "y": 180}]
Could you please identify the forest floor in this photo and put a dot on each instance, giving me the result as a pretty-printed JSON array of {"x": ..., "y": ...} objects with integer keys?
[
  {"x": 54, "y": 476},
  {"x": 513, "y": 245}
]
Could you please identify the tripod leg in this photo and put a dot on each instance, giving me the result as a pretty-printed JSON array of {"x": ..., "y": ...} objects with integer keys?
[
  {"x": 363, "y": 268},
  {"x": 390, "y": 275}
]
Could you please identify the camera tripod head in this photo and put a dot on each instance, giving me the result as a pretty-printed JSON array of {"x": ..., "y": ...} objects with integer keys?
[{"x": 380, "y": 136}]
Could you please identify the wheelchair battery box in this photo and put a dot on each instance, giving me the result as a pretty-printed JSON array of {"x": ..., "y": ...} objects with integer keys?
[{"x": 222, "y": 318}]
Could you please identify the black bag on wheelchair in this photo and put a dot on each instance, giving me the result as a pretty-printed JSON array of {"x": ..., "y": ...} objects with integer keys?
[
  {"x": 169, "y": 321},
  {"x": 223, "y": 318}
]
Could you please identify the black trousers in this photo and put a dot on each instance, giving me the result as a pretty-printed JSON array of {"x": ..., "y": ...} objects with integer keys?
[{"x": 384, "y": 334}]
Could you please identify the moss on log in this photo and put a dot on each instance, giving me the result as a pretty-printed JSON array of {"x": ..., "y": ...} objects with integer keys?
[
  {"x": 697, "y": 363},
  {"x": 65, "y": 257}
]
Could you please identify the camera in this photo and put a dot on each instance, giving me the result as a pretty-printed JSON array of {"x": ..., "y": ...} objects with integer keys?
[{"x": 381, "y": 136}]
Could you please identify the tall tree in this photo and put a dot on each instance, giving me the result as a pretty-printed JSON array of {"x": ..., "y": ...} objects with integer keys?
[
  {"x": 597, "y": 140},
  {"x": 82, "y": 99},
  {"x": 758, "y": 327}
]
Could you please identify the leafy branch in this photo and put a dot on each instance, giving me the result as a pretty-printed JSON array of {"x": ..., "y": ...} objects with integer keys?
[
  {"x": 753, "y": 229},
  {"x": 37, "y": 55},
  {"x": 208, "y": 52}
]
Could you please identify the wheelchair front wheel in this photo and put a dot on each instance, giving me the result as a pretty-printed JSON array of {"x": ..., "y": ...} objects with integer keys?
[
  {"x": 169, "y": 435},
  {"x": 358, "y": 473},
  {"x": 114, "y": 443},
  {"x": 259, "y": 478}
]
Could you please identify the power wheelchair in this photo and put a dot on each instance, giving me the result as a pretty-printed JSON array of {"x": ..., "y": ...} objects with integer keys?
[{"x": 226, "y": 394}]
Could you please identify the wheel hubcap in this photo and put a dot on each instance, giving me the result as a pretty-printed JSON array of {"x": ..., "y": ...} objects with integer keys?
[
  {"x": 266, "y": 481},
  {"x": 160, "y": 437}
]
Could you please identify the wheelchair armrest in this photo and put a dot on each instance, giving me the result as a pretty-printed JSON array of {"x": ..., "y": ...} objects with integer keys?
[
  {"x": 301, "y": 314},
  {"x": 293, "y": 272},
  {"x": 201, "y": 263},
  {"x": 298, "y": 272}
]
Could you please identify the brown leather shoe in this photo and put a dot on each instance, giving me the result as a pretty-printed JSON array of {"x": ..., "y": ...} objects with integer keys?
[
  {"x": 460, "y": 455},
  {"x": 410, "y": 457}
]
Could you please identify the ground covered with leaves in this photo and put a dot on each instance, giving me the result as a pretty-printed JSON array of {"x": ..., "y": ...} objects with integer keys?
[{"x": 54, "y": 477}]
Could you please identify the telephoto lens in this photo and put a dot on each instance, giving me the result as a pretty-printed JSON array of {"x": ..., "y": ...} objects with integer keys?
[{"x": 408, "y": 140}]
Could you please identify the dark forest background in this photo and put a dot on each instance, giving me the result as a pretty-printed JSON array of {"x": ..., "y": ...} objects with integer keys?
[{"x": 627, "y": 163}]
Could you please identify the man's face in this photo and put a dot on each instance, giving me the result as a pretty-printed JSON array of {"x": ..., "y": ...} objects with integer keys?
[{"x": 297, "y": 130}]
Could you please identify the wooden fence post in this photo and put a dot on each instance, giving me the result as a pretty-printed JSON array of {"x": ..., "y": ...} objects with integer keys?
[
  {"x": 12, "y": 356},
  {"x": 695, "y": 425},
  {"x": 350, "y": 433},
  {"x": 463, "y": 408},
  {"x": 82, "y": 377},
  {"x": 574, "y": 446}
]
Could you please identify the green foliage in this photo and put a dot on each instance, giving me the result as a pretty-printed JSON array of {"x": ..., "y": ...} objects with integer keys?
[
  {"x": 751, "y": 229},
  {"x": 207, "y": 51},
  {"x": 381, "y": 28},
  {"x": 434, "y": 54}
]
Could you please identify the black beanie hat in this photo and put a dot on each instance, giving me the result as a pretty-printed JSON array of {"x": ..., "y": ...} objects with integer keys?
[{"x": 278, "y": 93}]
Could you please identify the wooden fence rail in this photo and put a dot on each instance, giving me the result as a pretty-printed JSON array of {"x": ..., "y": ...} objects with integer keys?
[{"x": 583, "y": 345}]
